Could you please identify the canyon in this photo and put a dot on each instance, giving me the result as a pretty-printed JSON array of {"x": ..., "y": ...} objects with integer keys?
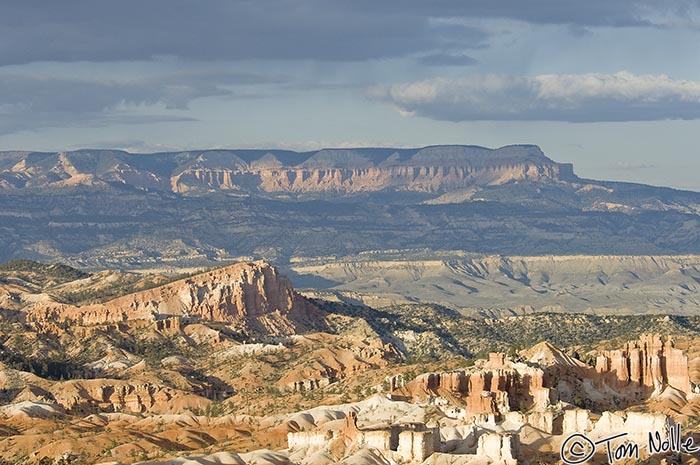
[
  {"x": 433, "y": 418},
  {"x": 479, "y": 423},
  {"x": 231, "y": 365}
]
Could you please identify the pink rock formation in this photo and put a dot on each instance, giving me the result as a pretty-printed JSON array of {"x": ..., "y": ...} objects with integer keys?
[
  {"x": 648, "y": 362},
  {"x": 123, "y": 396},
  {"x": 430, "y": 169},
  {"x": 251, "y": 292},
  {"x": 499, "y": 387}
]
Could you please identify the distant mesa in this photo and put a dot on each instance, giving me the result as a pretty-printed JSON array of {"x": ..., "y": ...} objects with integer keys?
[
  {"x": 113, "y": 209},
  {"x": 435, "y": 169}
]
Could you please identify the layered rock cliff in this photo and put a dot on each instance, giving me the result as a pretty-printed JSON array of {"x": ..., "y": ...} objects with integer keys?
[
  {"x": 647, "y": 363},
  {"x": 497, "y": 284},
  {"x": 106, "y": 208},
  {"x": 648, "y": 369},
  {"x": 251, "y": 294},
  {"x": 123, "y": 396},
  {"x": 496, "y": 388},
  {"x": 342, "y": 171}
]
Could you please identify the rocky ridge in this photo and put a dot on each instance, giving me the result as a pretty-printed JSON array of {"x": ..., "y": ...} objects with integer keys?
[
  {"x": 346, "y": 171},
  {"x": 106, "y": 208},
  {"x": 252, "y": 294}
]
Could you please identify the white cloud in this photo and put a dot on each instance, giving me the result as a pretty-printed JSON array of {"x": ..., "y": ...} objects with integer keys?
[
  {"x": 622, "y": 85},
  {"x": 590, "y": 97}
]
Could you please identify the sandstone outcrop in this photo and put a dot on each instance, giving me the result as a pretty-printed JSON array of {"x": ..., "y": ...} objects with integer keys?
[
  {"x": 637, "y": 425},
  {"x": 647, "y": 363},
  {"x": 345, "y": 171},
  {"x": 109, "y": 395},
  {"x": 577, "y": 421},
  {"x": 501, "y": 448},
  {"x": 542, "y": 420},
  {"x": 309, "y": 439},
  {"x": 412, "y": 442},
  {"x": 253, "y": 294},
  {"x": 416, "y": 446},
  {"x": 643, "y": 370},
  {"x": 327, "y": 366},
  {"x": 395, "y": 382},
  {"x": 495, "y": 389}
]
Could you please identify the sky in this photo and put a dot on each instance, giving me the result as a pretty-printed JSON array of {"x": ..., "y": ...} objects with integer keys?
[{"x": 612, "y": 86}]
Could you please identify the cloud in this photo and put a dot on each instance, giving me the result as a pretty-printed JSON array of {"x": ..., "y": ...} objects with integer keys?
[
  {"x": 324, "y": 30},
  {"x": 550, "y": 97},
  {"x": 30, "y": 102},
  {"x": 589, "y": 13},
  {"x": 445, "y": 59},
  {"x": 215, "y": 30}
]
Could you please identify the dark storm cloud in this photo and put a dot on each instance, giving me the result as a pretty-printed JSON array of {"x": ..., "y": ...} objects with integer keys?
[
  {"x": 203, "y": 35},
  {"x": 212, "y": 30},
  {"x": 89, "y": 30},
  {"x": 39, "y": 101}
]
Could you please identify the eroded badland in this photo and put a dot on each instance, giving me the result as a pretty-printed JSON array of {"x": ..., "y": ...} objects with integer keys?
[
  {"x": 232, "y": 365},
  {"x": 452, "y": 305}
]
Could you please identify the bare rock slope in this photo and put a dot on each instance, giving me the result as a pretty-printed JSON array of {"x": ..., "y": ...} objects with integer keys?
[
  {"x": 253, "y": 294},
  {"x": 497, "y": 285},
  {"x": 430, "y": 169}
]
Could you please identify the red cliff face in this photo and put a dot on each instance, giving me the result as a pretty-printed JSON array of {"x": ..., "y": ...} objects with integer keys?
[
  {"x": 437, "y": 169},
  {"x": 421, "y": 178},
  {"x": 648, "y": 363},
  {"x": 498, "y": 385},
  {"x": 249, "y": 293},
  {"x": 497, "y": 388}
]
